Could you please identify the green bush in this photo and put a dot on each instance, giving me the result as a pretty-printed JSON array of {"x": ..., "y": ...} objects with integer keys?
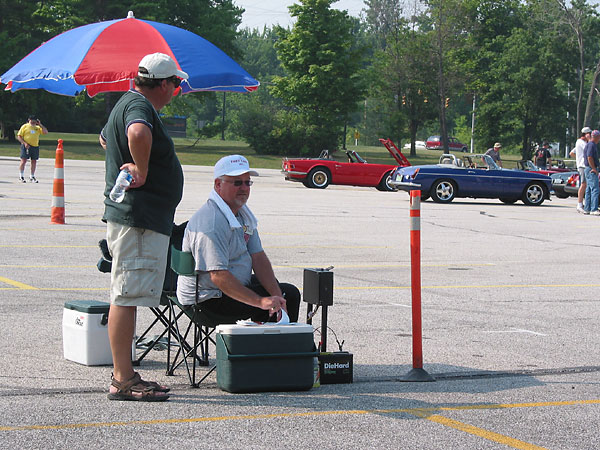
[{"x": 281, "y": 132}]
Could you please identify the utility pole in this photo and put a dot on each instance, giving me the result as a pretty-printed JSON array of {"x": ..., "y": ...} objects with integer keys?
[
  {"x": 223, "y": 119},
  {"x": 473, "y": 125}
]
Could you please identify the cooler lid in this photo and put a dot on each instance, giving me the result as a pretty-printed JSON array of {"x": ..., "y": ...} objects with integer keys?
[
  {"x": 88, "y": 306},
  {"x": 265, "y": 329}
]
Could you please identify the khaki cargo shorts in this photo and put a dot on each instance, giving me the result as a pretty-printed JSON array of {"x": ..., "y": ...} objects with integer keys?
[{"x": 138, "y": 265}]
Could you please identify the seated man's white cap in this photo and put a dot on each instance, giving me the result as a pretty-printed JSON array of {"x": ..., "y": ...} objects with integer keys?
[{"x": 233, "y": 165}]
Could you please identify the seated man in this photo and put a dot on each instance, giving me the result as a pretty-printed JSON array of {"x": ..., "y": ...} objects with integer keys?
[{"x": 224, "y": 240}]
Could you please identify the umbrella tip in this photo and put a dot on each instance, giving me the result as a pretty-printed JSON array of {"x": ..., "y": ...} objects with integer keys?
[{"x": 130, "y": 15}]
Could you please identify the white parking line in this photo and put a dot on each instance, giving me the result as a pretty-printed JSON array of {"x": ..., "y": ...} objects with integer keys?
[{"x": 517, "y": 330}]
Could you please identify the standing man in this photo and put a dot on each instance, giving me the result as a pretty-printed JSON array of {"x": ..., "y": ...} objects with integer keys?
[
  {"x": 223, "y": 237},
  {"x": 494, "y": 153},
  {"x": 138, "y": 228},
  {"x": 543, "y": 157},
  {"x": 29, "y": 137},
  {"x": 591, "y": 175},
  {"x": 580, "y": 160}
]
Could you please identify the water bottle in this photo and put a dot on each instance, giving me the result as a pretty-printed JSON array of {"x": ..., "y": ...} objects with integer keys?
[{"x": 117, "y": 194}]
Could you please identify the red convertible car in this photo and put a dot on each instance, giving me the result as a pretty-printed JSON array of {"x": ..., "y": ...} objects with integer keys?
[
  {"x": 322, "y": 171},
  {"x": 561, "y": 166}
]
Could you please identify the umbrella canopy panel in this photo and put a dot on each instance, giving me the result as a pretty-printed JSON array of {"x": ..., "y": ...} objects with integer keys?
[{"x": 104, "y": 56}]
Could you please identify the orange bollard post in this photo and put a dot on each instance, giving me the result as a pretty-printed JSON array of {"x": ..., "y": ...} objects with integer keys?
[
  {"x": 417, "y": 373},
  {"x": 57, "y": 214}
]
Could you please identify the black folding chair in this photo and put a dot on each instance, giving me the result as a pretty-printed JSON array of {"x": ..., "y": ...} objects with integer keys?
[{"x": 203, "y": 323}]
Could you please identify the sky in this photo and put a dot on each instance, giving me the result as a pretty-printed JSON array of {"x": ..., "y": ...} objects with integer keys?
[{"x": 272, "y": 12}]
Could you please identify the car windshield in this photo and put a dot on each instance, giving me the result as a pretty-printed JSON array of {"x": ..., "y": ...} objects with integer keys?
[
  {"x": 568, "y": 164},
  {"x": 480, "y": 162},
  {"x": 354, "y": 157},
  {"x": 448, "y": 158}
]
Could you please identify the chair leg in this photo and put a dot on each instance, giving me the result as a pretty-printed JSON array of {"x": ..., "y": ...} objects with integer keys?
[
  {"x": 160, "y": 317},
  {"x": 169, "y": 339},
  {"x": 195, "y": 351},
  {"x": 206, "y": 375},
  {"x": 195, "y": 347},
  {"x": 205, "y": 347},
  {"x": 181, "y": 341}
]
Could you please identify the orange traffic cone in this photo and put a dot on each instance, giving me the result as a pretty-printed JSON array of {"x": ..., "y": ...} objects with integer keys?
[{"x": 58, "y": 189}]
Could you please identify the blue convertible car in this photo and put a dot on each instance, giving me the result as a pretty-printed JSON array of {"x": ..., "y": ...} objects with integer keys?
[{"x": 475, "y": 176}]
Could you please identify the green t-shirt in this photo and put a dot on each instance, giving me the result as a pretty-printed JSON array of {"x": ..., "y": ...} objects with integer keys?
[{"x": 151, "y": 206}]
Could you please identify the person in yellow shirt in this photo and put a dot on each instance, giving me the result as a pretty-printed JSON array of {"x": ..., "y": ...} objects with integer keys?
[{"x": 29, "y": 137}]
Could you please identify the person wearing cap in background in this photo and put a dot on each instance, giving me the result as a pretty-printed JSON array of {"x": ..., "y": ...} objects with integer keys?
[
  {"x": 29, "y": 137},
  {"x": 138, "y": 228},
  {"x": 494, "y": 153},
  {"x": 591, "y": 175},
  {"x": 223, "y": 238},
  {"x": 543, "y": 157},
  {"x": 579, "y": 159}
]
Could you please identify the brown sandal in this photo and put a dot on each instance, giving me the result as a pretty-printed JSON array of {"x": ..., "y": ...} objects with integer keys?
[
  {"x": 154, "y": 385},
  {"x": 126, "y": 389}
]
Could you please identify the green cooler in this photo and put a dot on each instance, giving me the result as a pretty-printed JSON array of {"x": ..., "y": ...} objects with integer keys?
[{"x": 260, "y": 358}]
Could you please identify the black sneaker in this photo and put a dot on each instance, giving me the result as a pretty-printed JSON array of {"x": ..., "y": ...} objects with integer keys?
[
  {"x": 32, "y": 179},
  {"x": 22, "y": 180}
]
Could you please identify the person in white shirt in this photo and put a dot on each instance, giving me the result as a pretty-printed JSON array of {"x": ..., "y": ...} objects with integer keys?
[
  {"x": 235, "y": 278},
  {"x": 578, "y": 153}
]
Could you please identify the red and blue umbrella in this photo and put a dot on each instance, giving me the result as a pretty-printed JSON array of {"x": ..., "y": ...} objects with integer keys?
[{"x": 104, "y": 57}]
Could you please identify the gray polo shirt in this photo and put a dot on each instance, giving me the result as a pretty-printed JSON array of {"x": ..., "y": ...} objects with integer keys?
[
  {"x": 495, "y": 155},
  {"x": 216, "y": 246}
]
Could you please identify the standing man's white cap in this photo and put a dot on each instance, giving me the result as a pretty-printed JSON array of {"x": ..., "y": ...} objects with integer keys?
[
  {"x": 159, "y": 65},
  {"x": 233, "y": 165}
]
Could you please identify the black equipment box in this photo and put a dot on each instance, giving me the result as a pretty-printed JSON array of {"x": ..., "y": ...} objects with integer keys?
[
  {"x": 318, "y": 287},
  {"x": 336, "y": 367}
]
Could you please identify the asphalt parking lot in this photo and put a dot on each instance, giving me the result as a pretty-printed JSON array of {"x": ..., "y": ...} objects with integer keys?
[{"x": 510, "y": 324}]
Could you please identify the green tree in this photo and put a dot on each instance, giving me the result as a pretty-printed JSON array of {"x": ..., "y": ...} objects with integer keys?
[
  {"x": 259, "y": 56},
  {"x": 448, "y": 38},
  {"x": 402, "y": 73},
  {"x": 579, "y": 22},
  {"x": 322, "y": 64},
  {"x": 517, "y": 74}
]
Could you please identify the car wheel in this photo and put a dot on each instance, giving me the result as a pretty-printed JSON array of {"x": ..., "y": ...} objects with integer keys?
[
  {"x": 533, "y": 195},
  {"x": 443, "y": 191},
  {"x": 508, "y": 201},
  {"x": 562, "y": 195},
  {"x": 384, "y": 185},
  {"x": 319, "y": 178},
  {"x": 464, "y": 149}
]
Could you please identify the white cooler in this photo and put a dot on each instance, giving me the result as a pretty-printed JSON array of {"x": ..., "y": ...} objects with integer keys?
[{"x": 85, "y": 333}]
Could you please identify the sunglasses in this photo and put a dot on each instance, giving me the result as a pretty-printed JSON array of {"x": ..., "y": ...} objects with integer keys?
[
  {"x": 238, "y": 183},
  {"x": 175, "y": 80}
]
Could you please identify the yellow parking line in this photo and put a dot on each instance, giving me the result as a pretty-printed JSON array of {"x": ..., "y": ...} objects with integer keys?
[
  {"x": 52, "y": 228},
  {"x": 466, "y": 286},
  {"x": 21, "y": 286},
  {"x": 46, "y": 246},
  {"x": 17, "y": 284},
  {"x": 329, "y": 246},
  {"x": 24, "y": 266},
  {"x": 378, "y": 266},
  {"x": 419, "y": 412},
  {"x": 486, "y": 434}
]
